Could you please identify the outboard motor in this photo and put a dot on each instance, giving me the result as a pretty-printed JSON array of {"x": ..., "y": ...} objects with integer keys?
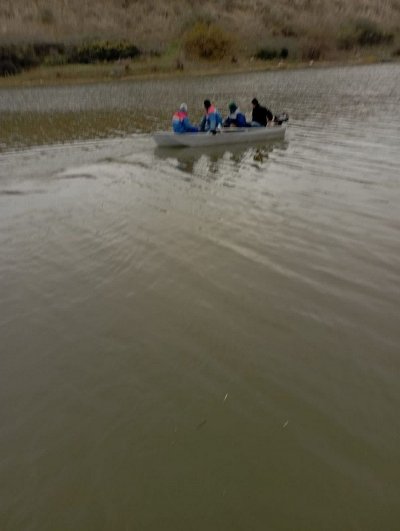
[{"x": 281, "y": 117}]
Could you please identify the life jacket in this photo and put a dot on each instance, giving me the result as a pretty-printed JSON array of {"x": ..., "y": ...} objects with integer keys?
[
  {"x": 179, "y": 116},
  {"x": 237, "y": 118}
]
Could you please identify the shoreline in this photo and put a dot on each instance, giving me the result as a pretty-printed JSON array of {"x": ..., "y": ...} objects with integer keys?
[{"x": 78, "y": 74}]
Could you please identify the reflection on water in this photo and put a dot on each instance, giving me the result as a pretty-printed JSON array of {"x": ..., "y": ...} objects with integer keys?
[
  {"x": 212, "y": 162},
  {"x": 203, "y": 339}
]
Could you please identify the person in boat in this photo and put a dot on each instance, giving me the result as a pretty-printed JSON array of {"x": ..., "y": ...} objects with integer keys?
[
  {"x": 235, "y": 118},
  {"x": 181, "y": 122},
  {"x": 260, "y": 115},
  {"x": 212, "y": 119}
]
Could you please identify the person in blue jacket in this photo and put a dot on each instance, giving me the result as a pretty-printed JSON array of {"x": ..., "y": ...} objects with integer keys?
[
  {"x": 235, "y": 117},
  {"x": 212, "y": 119},
  {"x": 181, "y": 122}
]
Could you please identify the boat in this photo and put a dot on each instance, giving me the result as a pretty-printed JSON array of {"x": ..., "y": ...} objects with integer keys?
[{"x": 232, "y": 135}]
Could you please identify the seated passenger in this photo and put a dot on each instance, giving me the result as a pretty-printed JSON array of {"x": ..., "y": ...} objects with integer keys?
[
  {"x": 235, "y": 118},
  {"x": 181, "y": 122},
  {"x": 212, "y": 119}
]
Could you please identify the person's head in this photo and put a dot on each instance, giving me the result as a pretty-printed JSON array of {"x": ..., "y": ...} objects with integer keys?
[
  {"x": 232, "y": 106},
  {"x": 254, "y": 102},
  {"x": 207, "y": 104},
  {"x": 183, "y": 107}
]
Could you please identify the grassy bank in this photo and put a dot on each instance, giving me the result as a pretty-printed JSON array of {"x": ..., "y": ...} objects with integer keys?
[
  {"x": 156, "y": 68},
  {"x": 154, "y": 24},
  {"x": 48, "y": 42}
]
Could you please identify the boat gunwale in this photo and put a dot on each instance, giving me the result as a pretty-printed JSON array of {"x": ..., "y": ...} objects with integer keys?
[{"x": 245, "y": 134}]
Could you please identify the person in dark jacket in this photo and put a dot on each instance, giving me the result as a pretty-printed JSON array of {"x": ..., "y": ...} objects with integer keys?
[
  {"x": 260, "y": 115},
  {"x": 235, "y": 118},
  {"x": 181, "y": 122}
]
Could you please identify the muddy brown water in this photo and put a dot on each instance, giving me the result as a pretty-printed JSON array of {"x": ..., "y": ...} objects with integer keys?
[{"x": 201, "y": 340}]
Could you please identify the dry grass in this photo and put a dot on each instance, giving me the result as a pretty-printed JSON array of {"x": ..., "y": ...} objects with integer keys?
[
  {"x": 154, "y": 23},
  {"x": 308, "y": 28}
]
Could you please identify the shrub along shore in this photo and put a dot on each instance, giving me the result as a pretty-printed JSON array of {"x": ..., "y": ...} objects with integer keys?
[{"x": 204, "y": 47}]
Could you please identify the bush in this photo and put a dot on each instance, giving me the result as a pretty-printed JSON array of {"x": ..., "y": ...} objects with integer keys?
[
  {"x": 362, "y": 33},
  {"x": 368, "y": 34},
  {"x": 43, "y": 49},
  {"x": 284, "y": 53},
  {"x": 7, "y": 68},
  {"x": 14, "y": 58},
  {"x": 207, "y": 41},
  {"x": 20, "y": 56},
  {"x": 55, "y": 59},
  {"x": 94, "y": 51},
  {"x": 267, "y": 54}
]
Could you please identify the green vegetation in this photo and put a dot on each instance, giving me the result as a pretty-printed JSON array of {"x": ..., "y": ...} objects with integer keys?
[
  {"x": 91, "y": 52},
  {"x": 267, "y": 54},
  {"x": 15, "y": 58}
]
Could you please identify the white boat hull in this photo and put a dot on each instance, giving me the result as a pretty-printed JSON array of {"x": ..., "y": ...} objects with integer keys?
[{"x": 225, "y": 136}]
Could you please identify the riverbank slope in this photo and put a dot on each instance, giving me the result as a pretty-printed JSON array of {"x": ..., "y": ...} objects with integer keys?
[{"x": 49, "y": 42}]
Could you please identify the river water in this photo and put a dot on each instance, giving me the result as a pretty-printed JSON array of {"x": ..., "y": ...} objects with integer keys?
[{"x": 201, "y": 340}]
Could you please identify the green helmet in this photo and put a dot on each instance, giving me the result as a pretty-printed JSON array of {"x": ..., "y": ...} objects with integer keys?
[{"x": 232, "y": 106}]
